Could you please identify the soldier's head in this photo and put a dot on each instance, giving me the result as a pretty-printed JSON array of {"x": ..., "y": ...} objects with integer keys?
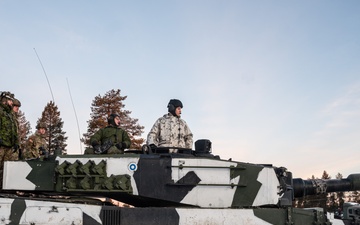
[
  {"x": 114, "y": 120},
  {"x": 16, "y": 105},
  {"x": 7, "y": 98},
  {"x": 174, "y": 107},
  {"x": 41, "y": 127}
]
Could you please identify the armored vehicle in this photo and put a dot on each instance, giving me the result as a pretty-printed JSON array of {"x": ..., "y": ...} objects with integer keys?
[
  {"x": 351, "y": 213},
  {"x": 158, "y": 186}
]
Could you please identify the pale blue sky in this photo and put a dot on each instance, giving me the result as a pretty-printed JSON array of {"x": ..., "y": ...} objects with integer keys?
[{"x": 273, "y": 82}]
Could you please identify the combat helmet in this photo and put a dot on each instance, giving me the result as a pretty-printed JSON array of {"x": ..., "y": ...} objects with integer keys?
[
  {"x": 41, "y": 125},
  {"x": 7, "y": 95},
  {"x": 16, "y": 102},
  {"x": 111, "y": 119},
  {"x": 173, "y": 104}
]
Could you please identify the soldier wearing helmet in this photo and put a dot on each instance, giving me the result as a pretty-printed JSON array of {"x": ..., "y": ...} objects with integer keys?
[
  {"x": 9, "y": 142},
  {"x": 111, "y": 139},
  {"x": 15, "y": 112},
  {"x": 16, "y": 105},
  {"x": 36, "y": 144},
  {"x": 41, "y": 125},
  {"x": 170, "y": 130},
  {"x": 7, "y": 98}
]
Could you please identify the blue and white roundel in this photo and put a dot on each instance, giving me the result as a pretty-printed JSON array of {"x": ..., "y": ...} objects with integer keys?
[{"x": 132, "y": 166}]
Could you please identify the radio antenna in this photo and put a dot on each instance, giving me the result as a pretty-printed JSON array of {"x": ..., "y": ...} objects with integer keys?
[
  {"x": 77, "y": 121},
  {"x": 45, "y": 75}
]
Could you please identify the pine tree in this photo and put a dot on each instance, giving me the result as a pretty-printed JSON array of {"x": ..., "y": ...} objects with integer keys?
[
  {"x": 322, "y": 198},
  {"x": 339, "y": 195},
  {"x": 102, "y": 107},
  {"x": 331, "y": 202},
  {"x": 355, "y": 195},
  {"x": 24, "y": 129},
  {"x": 55, "y": 136},
  {"x": 298, "y": 202}
]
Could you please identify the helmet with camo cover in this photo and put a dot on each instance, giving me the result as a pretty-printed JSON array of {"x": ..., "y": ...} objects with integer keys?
[
  {"x": 16, "y": 102},
  {"x": 41, "y": 125},
  {"x": 6, "y": 95}
]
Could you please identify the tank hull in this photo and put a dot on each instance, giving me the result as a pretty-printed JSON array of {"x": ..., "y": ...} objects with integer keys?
[{"x": 28, "y": 211}]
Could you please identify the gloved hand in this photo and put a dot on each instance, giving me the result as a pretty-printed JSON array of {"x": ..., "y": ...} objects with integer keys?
[
  {"x": 16, "y": 147},
  {"x": 94, "y": 143},
  {"x": 153, "y": 146},
  {"x": 97, "y": 149},
  {"x": 121, "y": 145},
  {"x": 42, "y": 150}
]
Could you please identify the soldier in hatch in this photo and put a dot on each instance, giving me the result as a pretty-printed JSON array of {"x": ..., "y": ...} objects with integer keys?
[
  {"x": 36, "y": 143},
  {"x": 111, "y": 139},
  {"x": 9, "y": 141},
  {"x": 170, "y": 130}
]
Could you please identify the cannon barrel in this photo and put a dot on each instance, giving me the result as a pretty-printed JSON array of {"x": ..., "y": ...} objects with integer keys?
[{"x": 321, "y": 186}]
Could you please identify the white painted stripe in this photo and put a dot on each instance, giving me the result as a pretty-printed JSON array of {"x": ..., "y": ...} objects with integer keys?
[
  {"x": 219, "y": 216},
  {"x": 92, "y": 210},
  {"x": 5, "y": 210},
  {"x": 207, "y": 196},
  {"x": 269, "y": 188},
  {"x": 49, "y": 215},
  {"x": 15, "y": 174}
]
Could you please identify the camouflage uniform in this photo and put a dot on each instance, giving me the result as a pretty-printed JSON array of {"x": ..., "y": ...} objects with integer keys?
[
  {"x": 35, "y": 142},
  {"x": 114, "y": 135},
  {"x": 17, "y": 103},
  {"x": 9, "y": 141},
  {"x": 16, "y": 121},
  {"x": 170, "y": 131}
]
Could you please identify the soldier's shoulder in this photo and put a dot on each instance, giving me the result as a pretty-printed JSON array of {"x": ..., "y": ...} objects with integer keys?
[
  {"x": 2, "y": 110},
  {"x": 161, "y": 119},
  {"x": 108, "y": 129},
  {"x": 165, "y": 117}
]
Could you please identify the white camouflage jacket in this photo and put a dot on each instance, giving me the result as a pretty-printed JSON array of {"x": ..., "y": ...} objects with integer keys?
[{"x": 170, "y": 131}]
